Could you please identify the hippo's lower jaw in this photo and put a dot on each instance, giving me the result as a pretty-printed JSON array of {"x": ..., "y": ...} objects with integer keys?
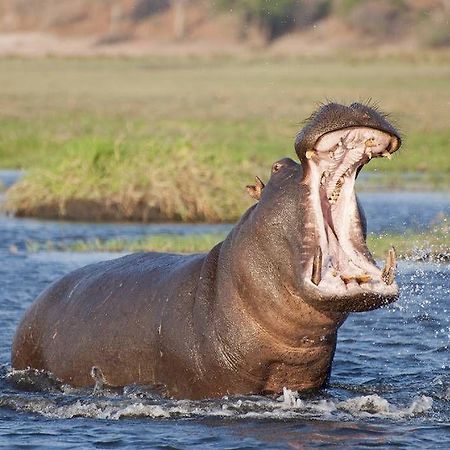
[{"x": 343, "y": 273}]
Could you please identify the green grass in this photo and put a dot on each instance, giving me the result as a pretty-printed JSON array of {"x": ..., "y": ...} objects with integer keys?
[
  {"x": 192, "y": 243},
  {"x": 431, "y": 244},
  {"x": 182, "y": 138}
]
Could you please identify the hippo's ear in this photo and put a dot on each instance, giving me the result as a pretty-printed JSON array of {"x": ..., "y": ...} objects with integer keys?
[{"x": 255, "y": 190}]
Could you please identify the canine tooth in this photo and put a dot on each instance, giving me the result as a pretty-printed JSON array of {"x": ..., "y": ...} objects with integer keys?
[
  {"x": 309, "y": 154},
  {"x": 388, "y": 273},
  {"x": 317, "y": 267},
  {"x": 364, "y": 278},
  {"x": 369, "y": 154},
  {"x": 386, "y": 155}
]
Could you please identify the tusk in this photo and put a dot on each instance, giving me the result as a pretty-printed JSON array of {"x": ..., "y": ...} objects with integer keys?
[
  {"x": 388, "y": 274},
  {"x": 316, "y": 276}
]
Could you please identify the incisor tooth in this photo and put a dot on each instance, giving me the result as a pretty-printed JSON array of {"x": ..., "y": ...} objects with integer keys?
[
  {"x": 364, "y": 278},
  {"x": 347, "y": 278},
  {"x": 317, "y": 267}
]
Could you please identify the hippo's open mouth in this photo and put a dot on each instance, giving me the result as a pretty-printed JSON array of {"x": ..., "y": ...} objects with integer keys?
[{"x": 341, "y": 265}]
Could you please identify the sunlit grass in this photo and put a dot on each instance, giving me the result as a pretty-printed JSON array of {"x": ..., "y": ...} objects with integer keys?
[{"x": 180, "y": 139}]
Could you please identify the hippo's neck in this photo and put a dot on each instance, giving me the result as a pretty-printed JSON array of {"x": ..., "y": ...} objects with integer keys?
[
  {"x": 299, "y": 349},
  {"x": 302, "y": 356},
  {"x": 260, "y": 330},
  {"x": 298, "y": 357}
]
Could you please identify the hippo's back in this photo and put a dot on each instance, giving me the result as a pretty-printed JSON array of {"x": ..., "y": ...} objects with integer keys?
[{"x": 110, "y": 315}]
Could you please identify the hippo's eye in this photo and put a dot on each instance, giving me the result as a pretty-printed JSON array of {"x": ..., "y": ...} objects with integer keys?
[{"x": 276, "y": 167}]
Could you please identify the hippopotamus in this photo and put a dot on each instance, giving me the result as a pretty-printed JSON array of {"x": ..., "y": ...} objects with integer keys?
[{"x": 257, "y": 313}]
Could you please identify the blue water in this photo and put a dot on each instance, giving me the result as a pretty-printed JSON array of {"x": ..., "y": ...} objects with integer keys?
[{"x": 390, "y": 384}]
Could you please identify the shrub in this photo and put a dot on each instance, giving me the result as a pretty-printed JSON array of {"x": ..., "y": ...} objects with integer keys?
[
  {"x": 378, "y": 18},
  {"x": 274, "y": 18}
]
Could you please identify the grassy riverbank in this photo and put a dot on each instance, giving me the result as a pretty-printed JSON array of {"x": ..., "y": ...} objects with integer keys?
[
  {"x": 432, "y": 244},
  {"x": 160, "y": 139}
]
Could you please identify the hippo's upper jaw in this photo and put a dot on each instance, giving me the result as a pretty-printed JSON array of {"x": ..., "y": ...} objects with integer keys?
[{"x": 343, "y": 272}]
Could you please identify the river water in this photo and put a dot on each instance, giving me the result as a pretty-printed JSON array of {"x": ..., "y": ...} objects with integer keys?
[{"x": 390, "y": 384}]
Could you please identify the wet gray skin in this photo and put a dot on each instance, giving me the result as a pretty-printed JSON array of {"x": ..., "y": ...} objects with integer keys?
[{"x": 259, "y": 312}]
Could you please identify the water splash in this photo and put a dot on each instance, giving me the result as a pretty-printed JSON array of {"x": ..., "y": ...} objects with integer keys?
[{"x": 55, "y": 400}]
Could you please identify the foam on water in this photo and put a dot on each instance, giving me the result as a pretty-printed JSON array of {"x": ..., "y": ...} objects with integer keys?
[
  {"x": 56, "y": 400},
  {"x": 365, "y": 405}
]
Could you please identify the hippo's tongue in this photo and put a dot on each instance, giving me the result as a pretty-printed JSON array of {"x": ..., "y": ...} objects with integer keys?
[{"x": 342, "y": 260}]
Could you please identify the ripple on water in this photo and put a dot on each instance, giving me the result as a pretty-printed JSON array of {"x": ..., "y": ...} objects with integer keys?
[{"x": 53, "y": 399}]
